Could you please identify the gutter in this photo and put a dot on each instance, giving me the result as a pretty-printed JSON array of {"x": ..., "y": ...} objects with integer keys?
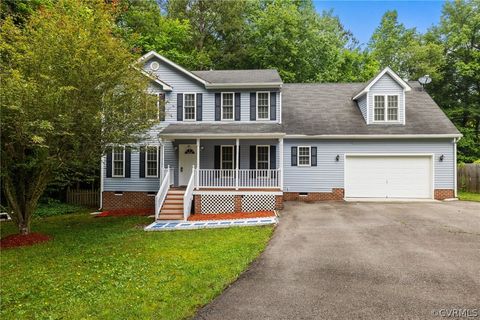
[
  {"x": 220, "y": 136},
  {"x": 372, "y": 136}
]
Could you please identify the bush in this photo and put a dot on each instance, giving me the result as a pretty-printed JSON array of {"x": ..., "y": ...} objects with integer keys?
[{"x": 54, "y": 207}]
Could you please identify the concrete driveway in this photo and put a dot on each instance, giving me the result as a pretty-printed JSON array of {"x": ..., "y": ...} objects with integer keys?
[{"x": 361, "y": 261}]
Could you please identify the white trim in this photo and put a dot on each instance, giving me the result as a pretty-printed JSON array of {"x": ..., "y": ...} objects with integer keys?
[
  {"x": 256, "y": 155},
  {"x": 309, "y": 156},
  {"x": 455, "y": 165},
  {"x": 151, "y": 54},
  {"x": 221, "y": 155},
  {"x": 146, "y": 161},
  {"x": 198, "y": 163},
  {"x": 102, "y": 183},
  {"x": 368, "y": 111},
  {"x": 194, "y": 105},
  {"x": 399, "y": 80},
  {"x": 253, "y": 85},
  {"x": 431, "y": 155},
  {"x": 113, "y": 162},
  {"x": 258, "y": 135},
  {"x": 236, "y": 192},
  {"x": 280, "y": 142},
  {"x": 268, "y": 105},
  {"x": 385, "y": 108},
  {"x": 237, "y": 161},
  {"x": 165, "y": 86},
  {"x": 371, "y": 136},
  {"x": 233, "y": 106}
]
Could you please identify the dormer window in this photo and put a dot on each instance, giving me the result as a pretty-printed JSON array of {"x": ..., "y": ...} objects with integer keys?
[{"x": 385, "y": 108}]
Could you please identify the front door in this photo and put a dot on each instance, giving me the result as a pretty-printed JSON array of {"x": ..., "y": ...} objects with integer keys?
[{"x": 187, "y": 157}]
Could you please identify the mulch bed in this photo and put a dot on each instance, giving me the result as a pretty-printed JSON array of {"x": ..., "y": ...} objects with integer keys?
[
  {"x": 20, "y": 240},
  {"x": 230, "y": 216},
  {"x": 126, "y": 212}
]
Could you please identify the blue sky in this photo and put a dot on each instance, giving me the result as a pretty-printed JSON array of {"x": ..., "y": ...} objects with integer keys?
[{"x": 362, "y": 17}]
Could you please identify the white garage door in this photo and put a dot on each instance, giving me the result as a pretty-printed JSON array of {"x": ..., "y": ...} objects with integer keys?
[{"x": 388, "y": 177}]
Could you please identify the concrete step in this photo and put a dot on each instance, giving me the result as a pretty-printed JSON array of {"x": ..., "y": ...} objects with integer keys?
[{"x": 171, "y": 217}]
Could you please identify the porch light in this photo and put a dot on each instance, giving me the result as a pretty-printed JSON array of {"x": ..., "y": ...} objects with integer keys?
[
  {"x": 202, "y": 147},
  {"x": 337, "y": 158},
  {"x": 442, "y": 157}
]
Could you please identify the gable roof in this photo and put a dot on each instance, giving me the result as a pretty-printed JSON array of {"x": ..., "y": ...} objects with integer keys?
[
  {"x": 241, "y": 78},
  {"x": 152, "y": 54},
  {"x": 165, "y": 86},
  {"x": 372, "y": 81},
  {"x": 327, "y": 109}
]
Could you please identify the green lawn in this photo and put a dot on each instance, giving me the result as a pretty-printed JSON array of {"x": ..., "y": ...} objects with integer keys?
[
  {"x": 469, "y": 196},
  {"x": 109, "y": 268}
]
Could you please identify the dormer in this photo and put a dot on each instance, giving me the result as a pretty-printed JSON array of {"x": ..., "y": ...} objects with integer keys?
[{"x": 382, "y": 100}]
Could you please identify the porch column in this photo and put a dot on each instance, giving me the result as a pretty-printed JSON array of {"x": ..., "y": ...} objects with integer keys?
[
  {"x": 237, "y": 163},
  {"x": 197, "y": 175},
  {"x": 281, "y": 162}
]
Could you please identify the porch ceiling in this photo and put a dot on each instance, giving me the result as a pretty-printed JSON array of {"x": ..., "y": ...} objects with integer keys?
[{"x": 228, "y": 130}]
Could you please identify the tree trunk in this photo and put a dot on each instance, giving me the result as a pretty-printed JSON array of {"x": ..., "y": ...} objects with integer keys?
[{"x": 24, "y": 227}]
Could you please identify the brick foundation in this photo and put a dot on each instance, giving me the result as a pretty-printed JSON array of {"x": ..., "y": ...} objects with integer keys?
[
  {"x": 238, "y": 203},
  {"x": 127, "y": 200},
  {"x": 197, "y": 203},
  {"x": 441, "y": 194},
  {"x": 337, "y": 194},
  {"x": 278, "y": 202}
]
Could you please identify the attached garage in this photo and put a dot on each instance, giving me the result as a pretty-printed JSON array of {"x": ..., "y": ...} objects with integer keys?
[{"x": 389, "y": 176}]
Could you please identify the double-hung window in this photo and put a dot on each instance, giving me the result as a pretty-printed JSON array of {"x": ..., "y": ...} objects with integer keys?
[
  {"x": 227, "y": 106},
  {"x": 385, "y": 108},
  {"x": 151, "y": 161},
  {"x": 189, "y": 105},
  {"x": 227, "y": 161},
  {"x": 304, "y": 156},
  {"x": 263, "y": 105},
  {"x": 263, "y": 160},
  {"x": 118, "y": 161}
]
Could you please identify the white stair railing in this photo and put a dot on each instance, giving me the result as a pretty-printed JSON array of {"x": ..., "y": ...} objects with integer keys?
[
  {"x": 188, "y": 196},
  {"x": 162, "y": 192}
]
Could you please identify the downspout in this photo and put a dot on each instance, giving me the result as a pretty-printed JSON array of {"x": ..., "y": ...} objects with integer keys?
[
  {"x": 102, "y": 165},
  {"x": 455, "y": 140}
]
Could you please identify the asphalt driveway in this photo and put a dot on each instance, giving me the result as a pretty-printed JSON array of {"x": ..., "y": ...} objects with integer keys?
[{"x": 362, "y": 261}]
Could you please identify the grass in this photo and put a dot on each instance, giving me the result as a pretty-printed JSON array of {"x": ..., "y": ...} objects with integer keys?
[
  {"x": 109, "y": 268},
  {"x": 56, "y": 208},
  {"x": 469, "y": 196}
]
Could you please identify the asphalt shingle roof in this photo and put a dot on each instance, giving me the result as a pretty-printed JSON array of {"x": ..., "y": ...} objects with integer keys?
[
  {"x": 239, "y": 76},
  {"x": 328, "y": 109},
  {"x": 222, "y": 128}
]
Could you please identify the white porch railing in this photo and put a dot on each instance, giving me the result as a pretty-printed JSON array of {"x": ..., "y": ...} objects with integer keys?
[
  {"x": 188, "y": 196},
  {"x": 163, "y": 190},
  {"x": 247, "y": 178}
]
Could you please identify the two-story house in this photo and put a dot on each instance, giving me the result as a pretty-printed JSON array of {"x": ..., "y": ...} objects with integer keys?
[{"x": 242, "y": 140}]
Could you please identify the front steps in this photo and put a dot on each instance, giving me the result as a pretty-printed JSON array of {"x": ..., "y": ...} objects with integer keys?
[{"x": 172, "y": 208}]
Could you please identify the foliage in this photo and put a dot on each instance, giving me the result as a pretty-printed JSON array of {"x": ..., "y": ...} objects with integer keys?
[
  {"x": 68, "y": 89},
  {"x": 469, "y": 196},
  {"x": 20, "y": 10},
  {"x": 109, "y": 268},
  {"x": 53, "y": 207}
]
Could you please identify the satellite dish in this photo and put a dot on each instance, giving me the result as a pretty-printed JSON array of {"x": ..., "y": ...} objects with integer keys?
[{"x": 425, "y": 80}]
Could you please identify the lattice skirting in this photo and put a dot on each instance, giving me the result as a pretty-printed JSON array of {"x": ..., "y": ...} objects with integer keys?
[
  {"x": 258, "y": 202},
  {"x": 236, "y": 203},
  {"x": 222, "y": 203}
]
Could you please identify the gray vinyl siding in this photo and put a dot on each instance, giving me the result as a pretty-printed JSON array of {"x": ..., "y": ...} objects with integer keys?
[
  {"x": 329, "y": 173},
  {"x": 384, "y": 86},
  {"x": 182, "y": 83},
  {"x": 362, "y": 105}
]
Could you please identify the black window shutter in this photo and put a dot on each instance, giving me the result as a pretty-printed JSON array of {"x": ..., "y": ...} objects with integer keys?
[
  {"x": 294, "y": 156},
  {"x": 313, "y": 156},
  {"x": 237, "y": 106},
  {"x": 128, "y": 161},
  {"x": 161, "y": 106},
  {"x": 253, "y": 106},
  {"x": 199, "y": 106},
  {"x": 159, "y": 162},
  {"x": 253, "y": 157},
  {"x": 109, "y": 162},
  {"x": 218, "y": 106},
  {"x": 273, "y": 157},
  {"x": 216, "y": 161},
  {"x": 142, "y": 162},
  {"x": 273, "y": 106},
  {"x": 179, "y": 106}
]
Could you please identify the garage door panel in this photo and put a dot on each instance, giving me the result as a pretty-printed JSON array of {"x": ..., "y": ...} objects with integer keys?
[{"x": 388, "y": 177}]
